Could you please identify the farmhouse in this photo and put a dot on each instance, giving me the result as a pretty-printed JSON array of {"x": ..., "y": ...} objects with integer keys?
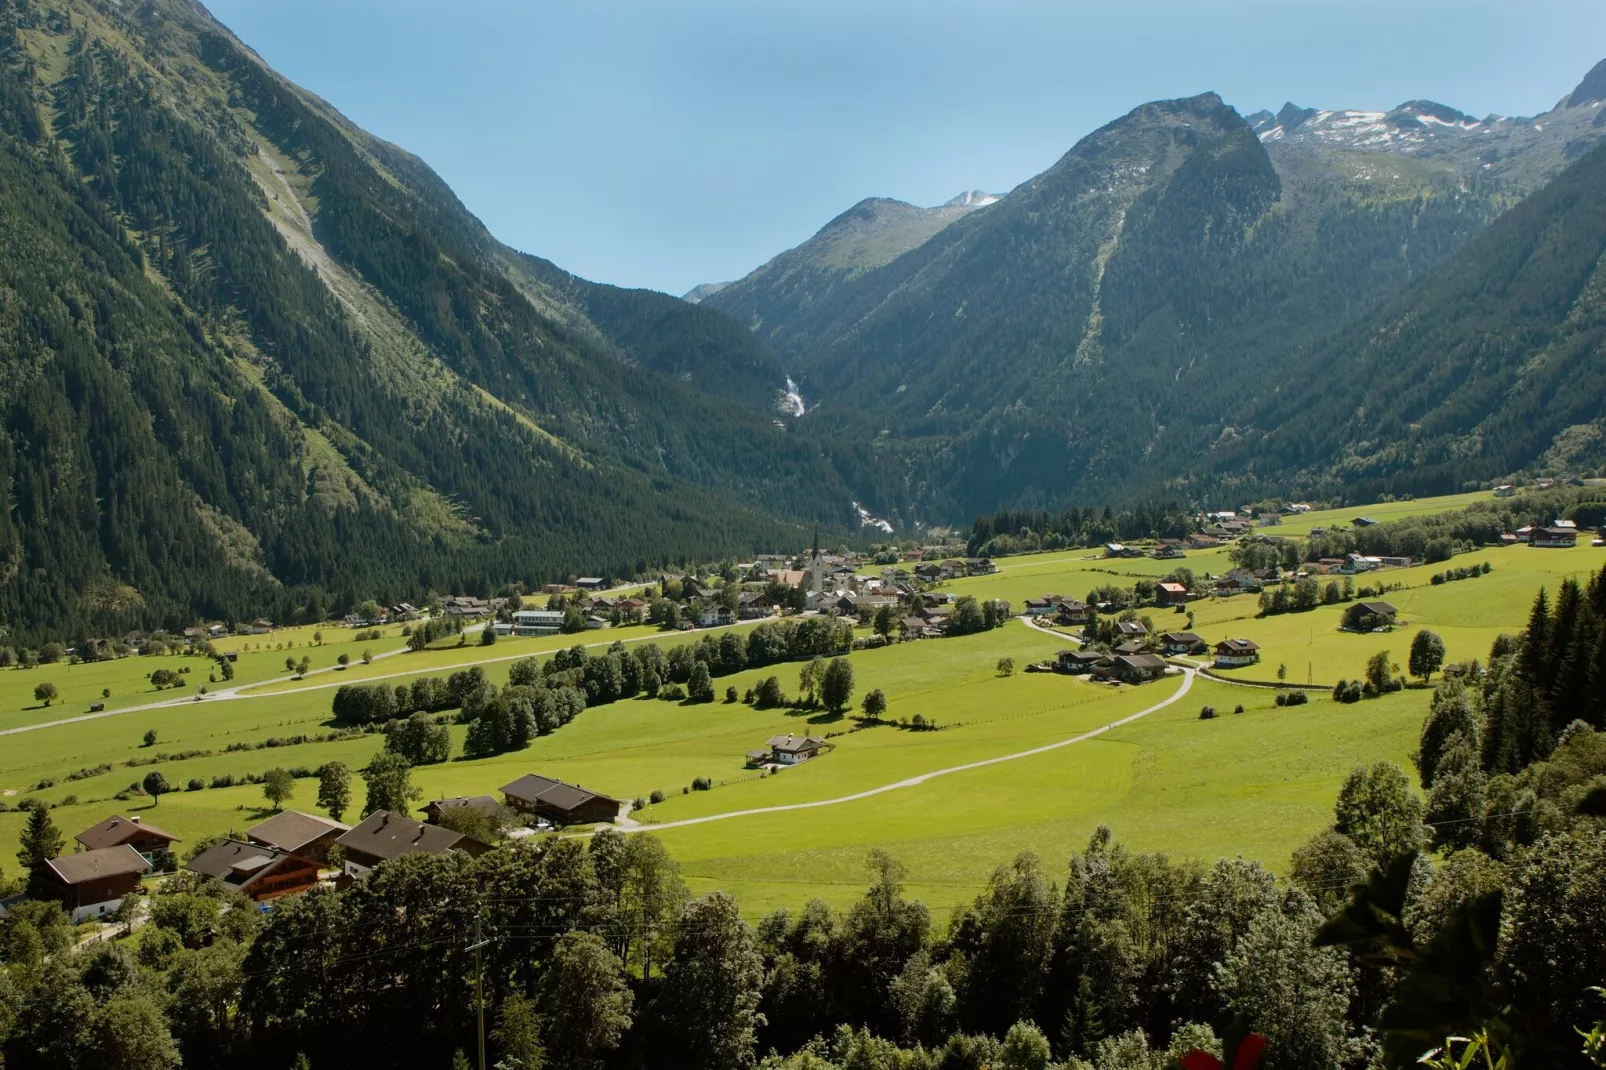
[
  {"x": 1362, "y": 522},
  {"x": 1077, "y": 662},
  {"x": 117, "y": 831},
  {"x": 1137, "y": 668},
  {"x": 790, "y": 750},
  {"x": 90, "y": 883},
  {"x": 1131, "y": 646},
  {"x": 713, "y": 615},
  {"x": 1042, "y": 607},
  {"x": 1167, "y": 549},
  {"x": 914, "y": 628},
  {"x": 384, "y": 835},
  {"x": 1073, "y": 612},
  {"x": 1131, "y": 629},
  {"x": 560, "y": 803},
  {"x": 1553, "y": 537},
  {"x": 1170, "y": 594},
  {"x": 1231, "y": 653},
  {"x": 262, "y": 873},
  {"x": 438, "y": 808},
  {"x": 1179, "y": 642},
  {"x": 590, "y": 583},
  {"x": 1369, "y": 616},
  {"x": 1505, "y": 490},
  {"x": 293, "y": 832},
  {"x": 754, "y": 605}
]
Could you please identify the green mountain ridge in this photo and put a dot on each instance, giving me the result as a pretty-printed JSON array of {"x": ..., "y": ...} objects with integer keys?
[
  {"x": 1099, "y": 332},
  {"x": 257, "y": 361}
]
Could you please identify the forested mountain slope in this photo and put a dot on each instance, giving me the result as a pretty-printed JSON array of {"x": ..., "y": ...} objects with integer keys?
[
  {"x": 1091, "y": 330},
  {"x": 1100, "y": 329},
  {"x": 254, "y": 360},
  {"x": 1492, "y": 362}
]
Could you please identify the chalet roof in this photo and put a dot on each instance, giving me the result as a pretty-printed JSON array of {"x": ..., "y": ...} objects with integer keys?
[
  {"x": 1381, "y": 609},
  {"x": 472, "y": 802},
  {"x": 1174, "y": 588},
  {"x": 1080, "y": 655},
  {"x": 236, "y": 864},
  {"x": 97, "y": 864},
  {"x": 1131, "y": 646},
  {"x": 1237, "y": 646},
  {"x": 532, "y": 788},
  {"x": 1181, "y": 637},
  {"x": 386, "y": 835},
  {"x": 1144, "y": 662},
  {"x": 293, "y": 830},
  {"x": 115, "y": 830},
  {"x": 1131, "y": 627},
  {"x": 795, "y": 744}
]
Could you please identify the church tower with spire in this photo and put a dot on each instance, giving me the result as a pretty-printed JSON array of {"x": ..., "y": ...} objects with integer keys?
[{"x": 814, "y": 566}]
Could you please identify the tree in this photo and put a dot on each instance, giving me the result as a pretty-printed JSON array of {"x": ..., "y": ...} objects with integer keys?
[
  {"x": 155, "y": 785},
  {"x": 1427, "y": 654},
  {"x": 875, "y": 704},
  {"x": 769, "y": 693},
  {"x": 1456, "y": 800},
  {"x": 517, "y": 1035},
  {"x": 420, "y": 740},
  {"x": 885, "y": 621},
  {"x": 277, "y": 786},
  {"x": 1377, "y": 809},
  {"x": 1380, "y": 669},
  {"x": 45, "y": 692},
  {"x": 334, "y": 788},
  {"x": 389, "y": 784},
  {"x": 150, "y": 738},
  {"x": 1006, "y": 666},
  {"x": 1288, "y": 991},
  {"x": 587, "y": 999},
  {"x": 487, "y": 636},
  {"x": 811, "y": 678},
  {"x": 343, "y": 660},
  {"x": 836, "y": 686},
  {"x": 1282, "y": 673},
  {"x": 369, "y": 610},
  {"x": 713, "y": 986},
  {"x": 967, "y": 617},
  {"x": 700, "y": 686},
  {"x": 289, "y": 663},
  {"x": 1025, "y": 1048},
  {"x": 41, "y": 840},
  {"x": 304, "y": 665},
  {"x": 130, "y": 1033}
]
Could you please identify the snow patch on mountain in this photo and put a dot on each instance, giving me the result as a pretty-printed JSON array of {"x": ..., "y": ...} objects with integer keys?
[{"x": 972, "y": 199}]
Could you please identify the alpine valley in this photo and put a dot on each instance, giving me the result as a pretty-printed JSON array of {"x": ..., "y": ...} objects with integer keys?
[{"x": 254, "y": 360}]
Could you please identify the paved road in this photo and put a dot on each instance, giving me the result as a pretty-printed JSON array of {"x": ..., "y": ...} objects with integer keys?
[{"x": 1187, "y": 683}]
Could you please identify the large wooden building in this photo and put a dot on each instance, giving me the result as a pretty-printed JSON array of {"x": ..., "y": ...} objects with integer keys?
[
  {"x": 560, "y": 803},
  {"x": 93, "y": 883},
  {"x": 293, "y": 832},
  {"x": 383, "y": 835},
  {"x": 116, "y": 831},
  {"x": 260, "y": 872}
]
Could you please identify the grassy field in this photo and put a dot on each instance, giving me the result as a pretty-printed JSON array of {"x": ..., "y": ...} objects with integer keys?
[{"x": 1255, "y": 784}]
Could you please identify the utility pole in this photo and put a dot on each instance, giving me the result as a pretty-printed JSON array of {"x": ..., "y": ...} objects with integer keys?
[{"x": 479, "y": 986}]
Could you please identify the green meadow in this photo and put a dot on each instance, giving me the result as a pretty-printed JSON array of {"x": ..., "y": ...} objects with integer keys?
[{"x": 1256, "y": 783}]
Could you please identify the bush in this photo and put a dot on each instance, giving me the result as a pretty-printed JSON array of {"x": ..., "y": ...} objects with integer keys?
[
  {"x": 701, "y": 783},
  {"x": 1207, "y": 713},
  {"x": 1292, "y": 698},
  {"x": 1239, "y": 708},
  {"x": 672, "y": 693},
  {"x": 195, "y": 784},
  {"x": 638, "y": 803},
  {"x": 1347, "y": 691},
  {"x": 656, "y": 797}
]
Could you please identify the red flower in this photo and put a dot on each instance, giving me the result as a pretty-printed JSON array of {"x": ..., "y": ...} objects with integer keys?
[{"x": 1248, "y": 1056}]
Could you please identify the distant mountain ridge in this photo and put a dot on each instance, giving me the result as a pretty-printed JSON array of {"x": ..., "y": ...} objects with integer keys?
[{"x": 1104, "y": 326}]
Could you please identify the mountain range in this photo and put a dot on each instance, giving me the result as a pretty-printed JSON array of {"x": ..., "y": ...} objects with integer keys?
[{"x": 256, "y": 361}]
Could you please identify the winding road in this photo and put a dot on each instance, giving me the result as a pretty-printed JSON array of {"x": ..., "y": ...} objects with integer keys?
[{"x": 1187, "y": 685}]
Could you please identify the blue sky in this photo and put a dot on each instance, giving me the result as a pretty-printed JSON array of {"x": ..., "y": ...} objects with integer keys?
[{"x": 662, "y": 144}]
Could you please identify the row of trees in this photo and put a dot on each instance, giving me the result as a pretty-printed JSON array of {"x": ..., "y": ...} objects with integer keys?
[{"x": 594, "y": 955}]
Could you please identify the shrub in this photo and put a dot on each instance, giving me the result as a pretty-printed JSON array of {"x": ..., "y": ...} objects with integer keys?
[
  {"x": 1207, "y": 713},
  {"x": 1239, "y": 708},
  {"x": 656, "y": 797},
  {"x": 1292, "y": 698},
  {"x": 195, "y": 784},
  {"x": 701, "y": 783},
  {"x": 638, "y": 803},
  {"x": 672, "y": 692}
]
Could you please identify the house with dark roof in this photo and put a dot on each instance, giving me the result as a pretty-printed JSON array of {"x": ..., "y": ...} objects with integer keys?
[
  {"x": 560, "y": 803},
  {"x": 1553, "y": 537},
  {"x": 790, "y": 749},
  {"x": 383, "y": 835},
  {"x": 260, "y": 872},
  {"x": 1369, "y": 616},
  {"x": 1179, "y": 642},
  {"x": 1232, "y": 653},
  {"x": 438, "y": 808},
  {"x": 1131, "y": 629},
  {"x": 305, "y": 835},
  {"x": 1137, "y": 668},
  {"x": 1077, "y": 662},
  {"x": 1072, "y": 611},
  {"x": 92, "y": 883},
  {"x": 115, "y": 831}
]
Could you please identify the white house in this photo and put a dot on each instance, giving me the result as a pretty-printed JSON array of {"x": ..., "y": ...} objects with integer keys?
[{"x": 538, "y": 621}]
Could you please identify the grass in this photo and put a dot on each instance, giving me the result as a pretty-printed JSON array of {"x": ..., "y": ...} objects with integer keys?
[{"x": 1256, "y": 784}]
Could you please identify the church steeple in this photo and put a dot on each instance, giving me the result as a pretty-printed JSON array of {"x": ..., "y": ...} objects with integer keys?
[{"x": 814, "y": 564}]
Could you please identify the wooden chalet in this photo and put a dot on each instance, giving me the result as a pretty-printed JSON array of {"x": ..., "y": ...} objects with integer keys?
[
  {"x": 1232, "y": 653},
  {"x": 116, "y": 831},
  {"x": 260, "y": 872},
  {"x": 92, "y": 883},
  {"x": 293, "y": 832},
  {"x": 383, "y": 835},
  {"x": 560, "y": 803}
]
